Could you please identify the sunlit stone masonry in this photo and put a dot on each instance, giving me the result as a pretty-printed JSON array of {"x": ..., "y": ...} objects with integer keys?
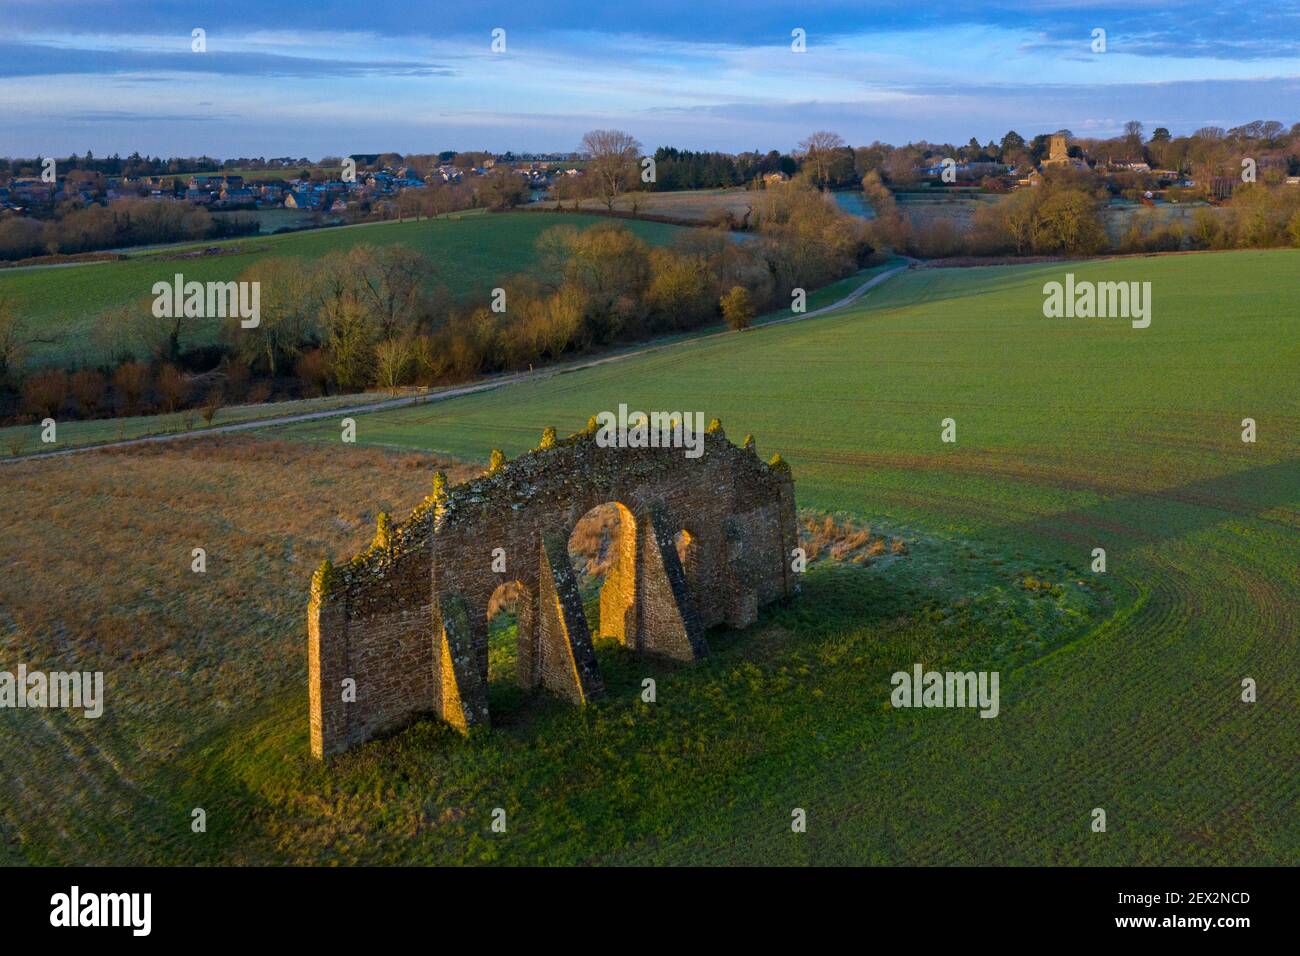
[{"x": 401, "y": 630}]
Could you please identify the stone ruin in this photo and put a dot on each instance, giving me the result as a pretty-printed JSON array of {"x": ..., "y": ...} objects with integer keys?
[{"x": 407, "y": 619}]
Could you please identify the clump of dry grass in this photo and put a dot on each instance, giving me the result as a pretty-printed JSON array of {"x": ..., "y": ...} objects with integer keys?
[{"x": 824, "y": 536}]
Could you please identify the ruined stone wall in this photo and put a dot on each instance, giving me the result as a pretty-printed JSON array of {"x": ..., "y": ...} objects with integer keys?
[
  {"x": 372, "y": 627},
  {"x": 387, "y": 620}
]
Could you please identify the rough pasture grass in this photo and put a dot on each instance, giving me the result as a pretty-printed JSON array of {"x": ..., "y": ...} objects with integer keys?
[
  {"x": 923, "y": 209},
  {"x": 470, "y": 255},
  {"x": 1072, "y": 434},
  {"x": 1120, "y": 691},
  {"x": 688, "y": 205},
  {"x": 205, "y": 703},
  {"x": 1118, "y": 218},
  {"x": 96, "y": 558}
]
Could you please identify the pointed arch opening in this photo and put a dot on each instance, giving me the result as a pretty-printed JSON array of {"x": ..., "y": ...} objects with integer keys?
[
  {"x": 602, "y": 547},
  {"x": 509, "y": 624}
]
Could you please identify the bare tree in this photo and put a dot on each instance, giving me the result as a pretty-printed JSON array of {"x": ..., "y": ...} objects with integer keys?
[
  {"x": 286, "y": 320},
  {"x": 440, "y": 198},
  {"x": 1133, "y": 139},
  {"x": 565, "y": 187},
  {"x": 390, "y": 281},
  {"x": 613, "y": 161},
  {"x": 173, "y": 387},
  {"x": 45, "y": 392},
  {"x": 392, "y": 363},
  {"x": 13, "y": 344},
  {"x": 818, "y": 149},
  {"x": 501, "y": 188},
  {"x": 131, "y": 381},
  {"x": 88, "y": 390},
  {"x": 410, "y": 204}
]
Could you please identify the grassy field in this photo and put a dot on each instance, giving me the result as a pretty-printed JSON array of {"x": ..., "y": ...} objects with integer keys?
[
  {"x": 923, "y": 208},
  {"x": 25, "y": 439},
  {"x": 854, "y": 203},
  {"x": 689, "y": 205},
  {"x": 470, "y": 254},
  {"x": 1118, "y": 218},
  {"x": 19, "y": 440},
  {"x": 1120, "y": 690},
  {"x": 292, "y": 172},
  {"x": 272, "y": 218}
]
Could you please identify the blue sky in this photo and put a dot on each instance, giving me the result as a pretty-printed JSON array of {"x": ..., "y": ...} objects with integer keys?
[{"x": 329, "y": 77}]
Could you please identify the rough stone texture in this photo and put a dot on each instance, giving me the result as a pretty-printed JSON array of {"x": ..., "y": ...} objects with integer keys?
[
  {"x": 408, "y": 618},
  {"x": 671, "y": 621},
  {"x": 461, "y": 699},
  {"x": 567, "y": 659}
]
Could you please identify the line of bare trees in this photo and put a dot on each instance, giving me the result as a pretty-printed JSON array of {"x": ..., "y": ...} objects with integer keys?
[
  {"x": 126, "y": 222},
  {"x": 380, "y": 316},
  {"x": 1064, "y": 216}
]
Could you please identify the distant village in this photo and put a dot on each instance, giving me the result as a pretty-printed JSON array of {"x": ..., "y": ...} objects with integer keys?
[
  {"x": 330, "y": 187},
  {"x": 335, "y": 189},
  {"x": 1124, "y": 174}
]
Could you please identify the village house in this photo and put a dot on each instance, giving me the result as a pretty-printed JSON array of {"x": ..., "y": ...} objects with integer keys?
[
  {"x": 303, "y": 199},
  {"x": 237, "y": 196},
  {"x": 31, "y": 191}
]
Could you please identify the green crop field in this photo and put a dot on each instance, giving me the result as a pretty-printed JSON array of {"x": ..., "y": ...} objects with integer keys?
[
  {"x": 271, "y": 218},
  {"x": 687, "y": 205},
  {"x": 470, "y": 254},
  {"x": 25, "y": 439},
  {"x": 292, "y": 172},
  {"x": 1119, "y": 690}
]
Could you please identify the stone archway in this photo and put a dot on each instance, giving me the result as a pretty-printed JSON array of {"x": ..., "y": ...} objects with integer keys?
[
  {"x": 511, "y": 604},
  {"x": 407, "y": 619},
  {"x": 610, "y": 549}
]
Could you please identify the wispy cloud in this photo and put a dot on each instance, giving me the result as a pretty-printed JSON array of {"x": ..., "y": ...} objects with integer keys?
[
  {"x": 19, "y": 59},
  {"x": 325, "y": 77}
]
